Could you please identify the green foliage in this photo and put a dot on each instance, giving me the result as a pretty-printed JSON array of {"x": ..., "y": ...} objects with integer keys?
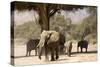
[
  {"x": 27, "y": 30},
  {"x": 87, "y": 27},
  {"x": 91, "y": 37},
  {"x": 59, "y": 21}
]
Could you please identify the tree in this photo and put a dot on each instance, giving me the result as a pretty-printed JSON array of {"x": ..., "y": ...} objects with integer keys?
[
  {"x": 45, "y": 10},
  {"x": 89, "y": 25}
]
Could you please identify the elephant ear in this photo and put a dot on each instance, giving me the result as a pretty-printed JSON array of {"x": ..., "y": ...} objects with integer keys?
[
  {"x": 45, "y": 36},
  {"x": 42, "y": 38},
  {"x": 48, "y": 40}
]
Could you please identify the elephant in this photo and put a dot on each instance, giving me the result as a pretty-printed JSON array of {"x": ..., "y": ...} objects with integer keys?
[
  {"x": 61, "y": 42},
  {"x": 68, "y": 47},
  {"x": 50, "y": 41},
  {"x": 32, "y": 45},
  {"x": 61, "y": 39},
  {"x": 82, "y": 44}
]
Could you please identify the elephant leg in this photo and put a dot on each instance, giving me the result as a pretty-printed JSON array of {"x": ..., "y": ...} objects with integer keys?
[
  {"x": 68, "y": 52},
  {"x": 64, "y": 50},
  {"x": 70, "y": 49},
  {"x": 81, "y": 50},
  {"x": 77, "y": 49},
  {"x": 29, "y": 52},
  {"x": 57, "y": 56},
  {"x": 46, "y": 53},
  {"x": 60, "y": 49},
  {"x": 52, "y": 55},
  {"x": 86, "y": 50},
  {"x": 35, "y": 52}
]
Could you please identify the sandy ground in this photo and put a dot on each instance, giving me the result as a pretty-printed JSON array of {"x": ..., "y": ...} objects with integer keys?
[{"x": 21, "y": 59}]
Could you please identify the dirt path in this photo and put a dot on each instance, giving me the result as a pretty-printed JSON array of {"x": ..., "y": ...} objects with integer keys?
[{"x": 21, "y": 59}]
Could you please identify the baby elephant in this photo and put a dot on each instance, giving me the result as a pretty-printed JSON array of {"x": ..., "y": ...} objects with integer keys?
[
  {"x": 82, "y": 44},
  {"x": 31, "y": 45},
  {"x": 68, "y": 47}
]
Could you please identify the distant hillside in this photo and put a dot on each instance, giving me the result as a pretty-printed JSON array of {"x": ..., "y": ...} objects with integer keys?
[{"x": 27, "y": 30}]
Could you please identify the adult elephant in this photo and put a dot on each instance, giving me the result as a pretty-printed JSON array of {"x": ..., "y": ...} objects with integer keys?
[
  {"x": 31, "y": 45},
  {"x": 50, "y": 41},
  {"x": 82, "y": 44},
  {"x": 68, "y": 47}
]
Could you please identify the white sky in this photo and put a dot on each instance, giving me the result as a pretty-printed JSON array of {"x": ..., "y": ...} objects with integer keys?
[
  {"x": 21, "y": 17},
  {"x": 76, "y": 16}
]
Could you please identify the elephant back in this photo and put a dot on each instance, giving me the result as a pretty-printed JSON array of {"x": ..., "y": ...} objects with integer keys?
[
  {"x": 31, "y": 44},
  {"x": 83, "y": 43}
]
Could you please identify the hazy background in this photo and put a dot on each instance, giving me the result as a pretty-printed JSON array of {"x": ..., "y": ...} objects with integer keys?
[
  {"x": 21, "y": 17},
  {"x": 73, "y": 25}
]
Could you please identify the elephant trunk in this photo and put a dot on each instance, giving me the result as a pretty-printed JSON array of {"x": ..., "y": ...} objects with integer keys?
[
  {"x": 40, "y": 52},
  {"x": 40, "y": 48}
]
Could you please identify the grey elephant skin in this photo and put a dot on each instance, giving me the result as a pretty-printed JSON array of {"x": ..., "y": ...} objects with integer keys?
[
  {"x": 82, "y": 44},
  {"x": 50, "y": 41},
  {"x": 61, "y": 43},
  {"x": 32, "y": 45},
  {"x": 68, "y": 47}
]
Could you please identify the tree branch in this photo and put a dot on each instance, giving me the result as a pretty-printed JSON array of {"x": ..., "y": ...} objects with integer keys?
[{"x": 52, "y": 12}]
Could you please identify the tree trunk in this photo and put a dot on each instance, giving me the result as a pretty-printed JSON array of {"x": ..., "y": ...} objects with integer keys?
[{"x": 44, "y": 19}]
